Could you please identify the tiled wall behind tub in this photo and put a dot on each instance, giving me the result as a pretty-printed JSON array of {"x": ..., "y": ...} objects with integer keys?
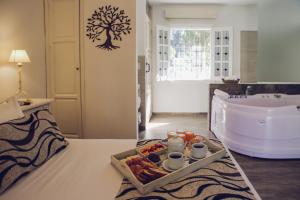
[{"x": 240, "y": 89}]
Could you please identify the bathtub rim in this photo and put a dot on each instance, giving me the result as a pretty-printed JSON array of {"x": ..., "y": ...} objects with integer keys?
[{"x": 259, "y": 108}]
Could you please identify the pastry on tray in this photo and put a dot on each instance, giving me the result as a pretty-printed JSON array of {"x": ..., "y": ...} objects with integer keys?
[
  {"x": 143, "y": 169},
  {"x": 152, "y": 148}
]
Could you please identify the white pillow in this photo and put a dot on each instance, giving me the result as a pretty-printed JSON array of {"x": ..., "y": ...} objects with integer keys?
[{"x": 10, "y": 110}]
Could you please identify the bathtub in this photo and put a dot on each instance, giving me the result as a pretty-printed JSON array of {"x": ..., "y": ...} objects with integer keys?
[{"x": 262, "y": 125}]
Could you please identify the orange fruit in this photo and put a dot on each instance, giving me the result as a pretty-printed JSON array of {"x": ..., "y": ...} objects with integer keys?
[{"x": 189, "y": 135}]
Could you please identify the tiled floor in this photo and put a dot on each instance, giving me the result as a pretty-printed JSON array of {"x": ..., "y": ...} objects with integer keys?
[
  {"x": 273, "y": 179},
  {"x": 160, "y": 124}
]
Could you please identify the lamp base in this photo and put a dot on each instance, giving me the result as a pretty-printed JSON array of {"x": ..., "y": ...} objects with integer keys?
[{"x": 23, "y": 99}]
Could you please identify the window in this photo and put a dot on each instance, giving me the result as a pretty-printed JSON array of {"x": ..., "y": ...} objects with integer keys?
[
  {"x": 190, "y": 56},
  {"x": 193, "y": 54}
]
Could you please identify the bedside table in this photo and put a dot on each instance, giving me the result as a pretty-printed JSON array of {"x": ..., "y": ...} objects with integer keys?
[{"x": 36, "y": 103}]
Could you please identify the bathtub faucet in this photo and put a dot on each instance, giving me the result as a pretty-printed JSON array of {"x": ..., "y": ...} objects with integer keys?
[{"x": 249, "y": 90}]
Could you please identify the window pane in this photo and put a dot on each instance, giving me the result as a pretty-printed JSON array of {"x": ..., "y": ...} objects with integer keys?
[{"x": 190, "y": 55}]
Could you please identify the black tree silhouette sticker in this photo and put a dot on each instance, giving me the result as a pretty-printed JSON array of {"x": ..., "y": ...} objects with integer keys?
[{"x": 110, "y": 23}]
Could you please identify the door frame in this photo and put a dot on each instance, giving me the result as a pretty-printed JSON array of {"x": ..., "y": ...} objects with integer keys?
[
  {"x": 148, "y": 59},
  {"x": 82, "y": 69}
]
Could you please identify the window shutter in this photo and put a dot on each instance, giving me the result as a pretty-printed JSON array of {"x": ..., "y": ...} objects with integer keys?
[
  {"x": 162, "y": 57},
  {"x": 222, "y": 50}
]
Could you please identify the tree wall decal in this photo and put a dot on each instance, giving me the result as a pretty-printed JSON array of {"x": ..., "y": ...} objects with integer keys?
[{"x": 110, "y": 23}]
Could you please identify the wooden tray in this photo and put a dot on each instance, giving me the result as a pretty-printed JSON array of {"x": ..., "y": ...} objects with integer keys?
[{"x": 217, "y": 152}]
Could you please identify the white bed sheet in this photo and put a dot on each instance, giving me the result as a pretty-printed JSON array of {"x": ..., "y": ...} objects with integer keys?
[{"x": 81, "y": 172}]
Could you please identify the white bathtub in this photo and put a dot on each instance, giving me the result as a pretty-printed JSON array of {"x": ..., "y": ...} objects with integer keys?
[{"x": 263, "y": 125}]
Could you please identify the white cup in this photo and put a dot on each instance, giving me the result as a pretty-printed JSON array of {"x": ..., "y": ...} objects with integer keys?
[
  {"x": 199, "y": 150},
  {"x": 175, "y": 160}
]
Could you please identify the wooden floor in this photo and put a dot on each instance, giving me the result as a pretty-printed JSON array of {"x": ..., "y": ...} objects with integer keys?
[{"x": 272, "y": 179}]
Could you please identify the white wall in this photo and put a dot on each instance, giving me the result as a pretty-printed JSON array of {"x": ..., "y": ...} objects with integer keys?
[
  {"x": 178, "y": 96},
  {"x": 140, "y": 24},
  {"x": 110, "y": 80},
  {"x": 279, "y": 41},
  {"x": 181, "y": 96},
  {"x": 22, "y": 27}
]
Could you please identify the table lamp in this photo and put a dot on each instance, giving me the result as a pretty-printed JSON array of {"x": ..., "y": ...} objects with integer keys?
[{"x": 19, "y": 57}]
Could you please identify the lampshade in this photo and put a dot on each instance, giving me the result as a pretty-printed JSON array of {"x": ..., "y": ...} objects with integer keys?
[{"x": 19, "y": 56}]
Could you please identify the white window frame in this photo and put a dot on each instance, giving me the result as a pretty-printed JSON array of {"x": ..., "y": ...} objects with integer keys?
[
  {"x": 213, "y": 53},
  {"x": 161, "y": 76}
]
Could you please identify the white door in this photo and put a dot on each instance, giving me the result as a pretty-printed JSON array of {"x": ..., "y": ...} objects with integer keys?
[
  {"x": 63, "y": 63},
  {"x": 148, "y": 77}
]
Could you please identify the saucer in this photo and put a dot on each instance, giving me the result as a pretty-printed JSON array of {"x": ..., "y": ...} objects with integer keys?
[
  {"x": 193, "y": 158},
  {"x": 166, "y": 167}
]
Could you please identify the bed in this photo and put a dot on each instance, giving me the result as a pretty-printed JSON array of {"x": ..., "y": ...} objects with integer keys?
[
  {"x": 66, "y": 169},
  {"x": 81, "y": 171}
]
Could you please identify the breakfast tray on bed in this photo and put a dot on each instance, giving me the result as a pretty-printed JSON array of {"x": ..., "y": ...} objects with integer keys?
[
  {"x": 221, "y": 179},
  {"x": 159, "y": 177}
]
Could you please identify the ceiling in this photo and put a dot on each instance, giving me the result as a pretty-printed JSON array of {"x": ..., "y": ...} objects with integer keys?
[{"x": 238, "y": 2}]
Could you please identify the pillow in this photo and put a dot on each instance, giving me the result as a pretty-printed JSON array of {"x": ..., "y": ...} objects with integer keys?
[
  {"x": 10, "y": 110},
  {"x": 26, "y": 144}
]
